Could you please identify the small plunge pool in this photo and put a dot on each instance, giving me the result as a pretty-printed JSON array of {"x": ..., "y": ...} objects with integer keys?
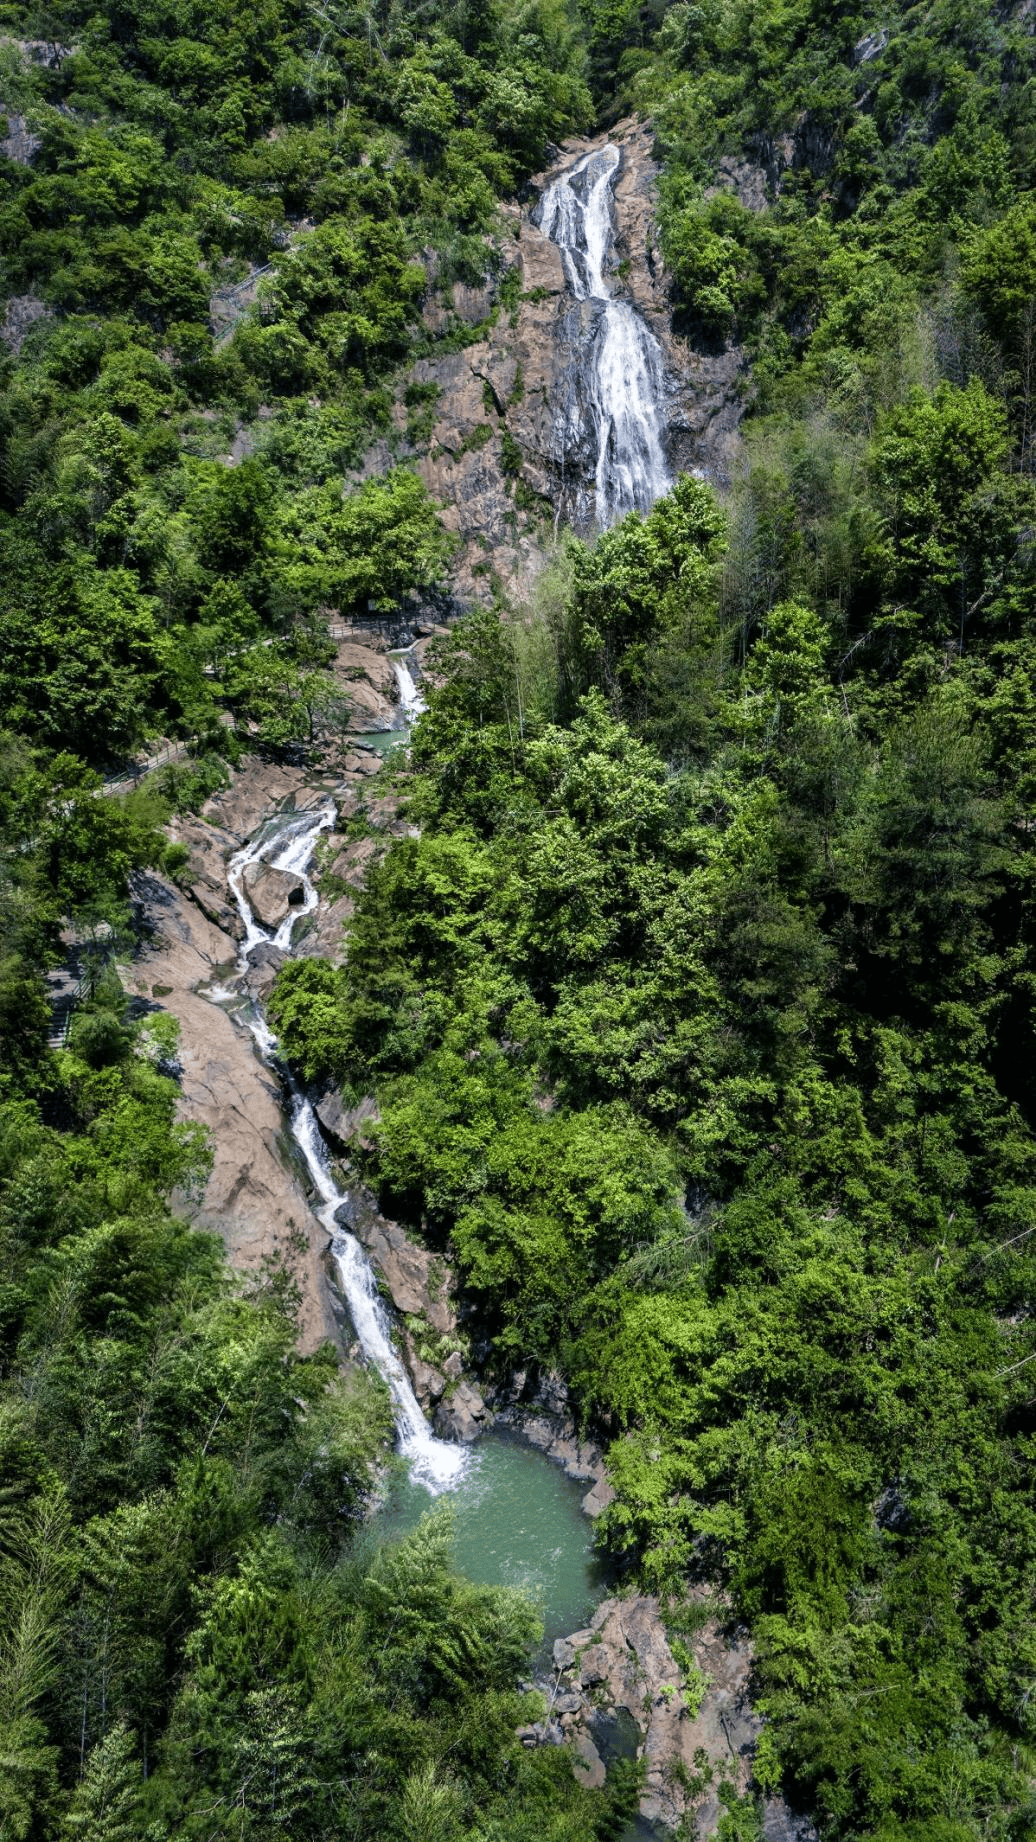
[{"x": 518, "y": 1521}]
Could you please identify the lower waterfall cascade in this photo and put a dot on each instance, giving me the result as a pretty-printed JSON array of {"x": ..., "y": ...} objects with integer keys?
[
  {"x": 621, "y": 380},
  {"x": 288, "y": 843}
]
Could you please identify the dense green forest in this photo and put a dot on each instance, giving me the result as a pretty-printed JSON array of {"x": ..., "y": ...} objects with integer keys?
[{"x": 700, "y": 1011}]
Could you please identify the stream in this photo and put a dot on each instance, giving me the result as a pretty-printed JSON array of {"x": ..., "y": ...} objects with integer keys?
[
  {"x": 288, "y": 843},
  {"x": 518, "y": 1519}
]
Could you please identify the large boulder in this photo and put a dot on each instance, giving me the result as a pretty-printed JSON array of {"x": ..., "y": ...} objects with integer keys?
[
  {"x": 362, "y": 665},
  {"x": 206, "y": 880},
  {"x": 340, "y": 1122},
  {"x": 429, "y": 1385},
  {"x": 464, "y": 1416},
  {"x": 272, "y": 893}
]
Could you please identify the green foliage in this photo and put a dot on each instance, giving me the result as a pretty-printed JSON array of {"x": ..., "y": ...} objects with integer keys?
[
  {"x": 366, "y": 552},
  {"x": 698, "y": 1006},
  {"x": 190, "y": 1620},
  {"x": 230, "y": 223},
  {"x": 684, "y": 1013}
]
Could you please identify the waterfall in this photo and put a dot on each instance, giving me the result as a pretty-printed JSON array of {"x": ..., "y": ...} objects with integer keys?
[
  {"x": 621, "y": 378},
  {"x": 435, "y": 1462},
  {"x": 288, "y": 844},
  {"x": 410, "y": 700}
]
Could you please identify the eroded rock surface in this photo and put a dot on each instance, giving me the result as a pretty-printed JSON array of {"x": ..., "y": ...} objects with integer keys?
[
  {"x": 209, "y": 844},
  {"x": 364, "y": 670},
  {"x": 342, "y": 1124},
  {"x": 257, "y": 788},
  {"x": 251, "y": 1198}
]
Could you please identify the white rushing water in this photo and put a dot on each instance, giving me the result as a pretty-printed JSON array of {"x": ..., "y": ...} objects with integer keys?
[
  {"x": 434, "y": 1462},
  {"x": 410, "y": 700},
  {"x": 284, "y": 844},
  {"x": 622, "y": 379},
  {"x": 288, "y": 844}
]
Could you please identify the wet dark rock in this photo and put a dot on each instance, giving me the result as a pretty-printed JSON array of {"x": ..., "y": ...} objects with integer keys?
[
  {"x": 464, "y": 1416},
  {"x": 891, "y": 1511},
  {"x": 538, "y": 1411},
  {"x": 542, "y": 1733},
  {"x": 263, "y": 966},
  {"x": 871, "y": 46},
  {"x": 780, "y": 1824}
]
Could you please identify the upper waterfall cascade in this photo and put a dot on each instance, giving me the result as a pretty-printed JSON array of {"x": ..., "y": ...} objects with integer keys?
[{"x": 622, "y": 378}]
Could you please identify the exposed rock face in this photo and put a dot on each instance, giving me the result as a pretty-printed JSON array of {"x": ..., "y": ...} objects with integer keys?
[
  {"x": 364, "y": 670},
  {"x": 210, "y": 846},
  {"x": 20, "y": 144},
  {"x": 421, "y": 1288},
  {"x": 257, "y": 788},
  {"x": 263, "y": 967},
  {"x": 541, "y": 1414},
  {"x": 21, "y": 314},
  {"x": 341, "y": 1123},
  {"x": 251, "y": 1198},
  {"x": 464, "y": 1416},
  {"x": 404, "y": 1266},
  {"x": 621, "y": 1666},
  {"x": 272, "y": 893},
  {"x": 352, "y": 864},
  {"x": 703, "y": 406},
  {"x": 512, "y": 387},
  {"x": 624, "y": 1659}
]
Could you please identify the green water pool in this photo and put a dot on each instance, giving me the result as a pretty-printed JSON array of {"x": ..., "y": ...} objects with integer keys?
[
  {"x": 517, "y": 1522},
  {"x": 382, "y": 740}
]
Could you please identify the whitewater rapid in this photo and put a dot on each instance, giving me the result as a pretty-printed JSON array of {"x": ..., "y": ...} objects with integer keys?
[{"x": 621, "y": 377}]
